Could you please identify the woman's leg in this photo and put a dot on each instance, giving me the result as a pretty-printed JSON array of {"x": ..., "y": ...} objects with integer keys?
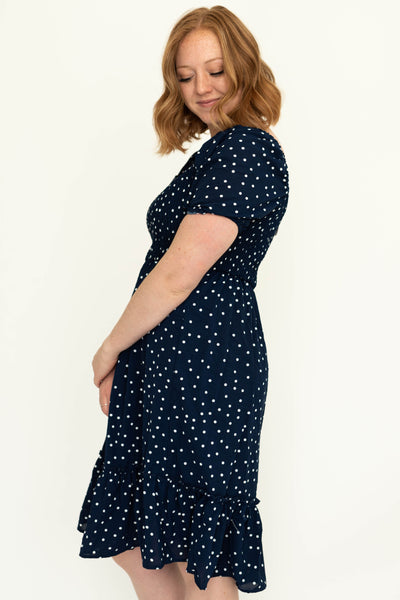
[
  {"x": 218, "y": 588},
  {"x": 152, "y": 584}
]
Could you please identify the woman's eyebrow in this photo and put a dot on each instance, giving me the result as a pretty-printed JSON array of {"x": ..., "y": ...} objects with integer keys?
[{"x": 207, "y": 61}]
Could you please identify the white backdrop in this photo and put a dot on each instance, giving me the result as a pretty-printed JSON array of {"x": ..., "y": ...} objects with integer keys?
[{"x": 78, "y": 171}]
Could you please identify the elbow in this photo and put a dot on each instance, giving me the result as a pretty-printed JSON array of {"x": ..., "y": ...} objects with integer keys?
[
  {"x": 180, "y": 285},
  {"x": 182, "y": 279},
  {"x": 181, "y": 272}
]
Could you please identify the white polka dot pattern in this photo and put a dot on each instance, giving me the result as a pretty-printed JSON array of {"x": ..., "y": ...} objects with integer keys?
[{"x": 178, "y": 471}]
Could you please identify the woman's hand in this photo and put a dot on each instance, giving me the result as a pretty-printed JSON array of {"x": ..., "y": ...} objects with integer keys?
[
  {"x": 103, "y": 362},
  {"x": 105, "y": 392}
]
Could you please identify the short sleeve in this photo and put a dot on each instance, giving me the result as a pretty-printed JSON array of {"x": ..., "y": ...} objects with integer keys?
[{"x": 242, "y": 175}]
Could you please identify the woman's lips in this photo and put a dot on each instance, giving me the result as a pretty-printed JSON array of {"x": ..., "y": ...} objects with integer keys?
[{"x": 208, "y": 102}]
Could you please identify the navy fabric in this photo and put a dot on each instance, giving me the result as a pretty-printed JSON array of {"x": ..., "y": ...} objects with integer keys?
[{"x": 177, "y": 474}]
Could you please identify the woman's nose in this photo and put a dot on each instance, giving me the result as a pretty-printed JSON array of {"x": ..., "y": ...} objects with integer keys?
[{"x": 203, "y": 83}]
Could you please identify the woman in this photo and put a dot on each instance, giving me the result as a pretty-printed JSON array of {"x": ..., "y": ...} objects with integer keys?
[{"x": 183, "y": 374}]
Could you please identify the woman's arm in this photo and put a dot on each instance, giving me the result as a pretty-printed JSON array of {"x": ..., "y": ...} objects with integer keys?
[{"x": 198, "y": 243}]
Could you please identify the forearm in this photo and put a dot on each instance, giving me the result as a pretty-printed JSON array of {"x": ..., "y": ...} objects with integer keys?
[
  {"x": 153, "y": 300},
  {"x": 198, "y": 243}
]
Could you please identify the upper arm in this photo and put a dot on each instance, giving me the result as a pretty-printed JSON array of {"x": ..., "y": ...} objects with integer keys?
[
  {"x": 200, "y": 240},
  {"x": 242, "y": 179}
]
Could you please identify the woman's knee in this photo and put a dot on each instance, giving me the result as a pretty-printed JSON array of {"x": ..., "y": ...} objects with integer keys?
[
  {"x": 128, "y": 559},
  {"x": 151, "y": 584}
]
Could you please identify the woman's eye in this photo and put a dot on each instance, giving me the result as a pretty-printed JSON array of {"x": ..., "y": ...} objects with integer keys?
[{"x": 185, "y": 79}]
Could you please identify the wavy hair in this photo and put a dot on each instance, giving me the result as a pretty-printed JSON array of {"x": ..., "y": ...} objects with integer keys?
[{"x": 260, "y": 103}]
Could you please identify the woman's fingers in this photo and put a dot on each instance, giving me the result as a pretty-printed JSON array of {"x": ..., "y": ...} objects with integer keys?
[
  {"x": 103, "y": 363},
  {"x": 105, "y": 392}
]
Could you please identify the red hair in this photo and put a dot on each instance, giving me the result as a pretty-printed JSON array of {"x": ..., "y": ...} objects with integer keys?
[{"x": 260, "y": 103}]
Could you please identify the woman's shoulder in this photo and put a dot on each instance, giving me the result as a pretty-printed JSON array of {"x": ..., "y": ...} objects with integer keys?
[
  {"x": 251, "y": 141},
  {"x": 254, "y": 136}
]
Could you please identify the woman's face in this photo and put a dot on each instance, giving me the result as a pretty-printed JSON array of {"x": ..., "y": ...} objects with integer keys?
[{"x": 201, "y": 76}]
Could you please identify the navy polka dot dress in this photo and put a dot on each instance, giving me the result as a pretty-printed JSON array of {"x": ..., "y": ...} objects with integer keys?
[{"x": 177, "y": 473}]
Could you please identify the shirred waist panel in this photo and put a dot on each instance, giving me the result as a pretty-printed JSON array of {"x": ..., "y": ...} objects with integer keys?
[
  {"x": 233, "y": 275},
  {"x": 150, "y": 263}
]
